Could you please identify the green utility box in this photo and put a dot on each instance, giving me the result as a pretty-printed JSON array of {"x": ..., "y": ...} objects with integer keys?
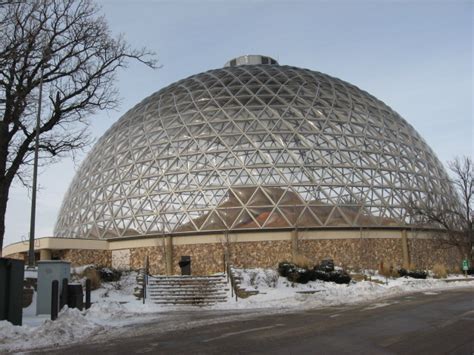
[
  {"x": 465, "y": 265},
  {"x": 11, "y": 290}
]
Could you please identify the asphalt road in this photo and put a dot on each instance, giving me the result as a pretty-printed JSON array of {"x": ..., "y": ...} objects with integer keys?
[{"x": 421, "y": 323}]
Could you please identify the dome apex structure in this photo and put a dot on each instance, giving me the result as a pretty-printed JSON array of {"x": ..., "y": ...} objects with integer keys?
[
  {"x": 251, "y": 146},
  {"x": 251, "y": 59}
]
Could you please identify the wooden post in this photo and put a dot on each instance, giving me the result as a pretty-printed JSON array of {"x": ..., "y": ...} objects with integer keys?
[
  {"x": 169, "y": 255},
  {"x": 294, "y": 243},
  {"x": 406, "y": 255}
]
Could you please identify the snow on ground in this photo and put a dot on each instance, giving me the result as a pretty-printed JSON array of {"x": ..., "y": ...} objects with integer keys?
[
  {"x": 285, "y": 294},
  {"x": 114, "y": 305}
]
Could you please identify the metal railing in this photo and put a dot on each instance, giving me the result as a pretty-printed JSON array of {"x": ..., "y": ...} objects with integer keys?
[{"x": 230, "y": 277}]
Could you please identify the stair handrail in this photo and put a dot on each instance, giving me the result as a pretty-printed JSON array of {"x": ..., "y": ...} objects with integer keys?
[
  {"x": 230, "y": 277},
  {"x": 145, "y": 278}
]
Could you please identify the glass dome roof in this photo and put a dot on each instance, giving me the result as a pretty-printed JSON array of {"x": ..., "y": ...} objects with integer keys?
[{"x": 251, "y": 146}]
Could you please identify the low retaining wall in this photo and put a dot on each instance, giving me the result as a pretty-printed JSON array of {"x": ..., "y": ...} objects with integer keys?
[
  {"x": 78, "y": 257},
  {"x": 207, "y": 258},
  {"x": 348, "y": 248}
]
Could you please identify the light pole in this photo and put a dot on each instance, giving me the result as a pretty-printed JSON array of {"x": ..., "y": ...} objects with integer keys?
[{"x": 31, "y": 250}]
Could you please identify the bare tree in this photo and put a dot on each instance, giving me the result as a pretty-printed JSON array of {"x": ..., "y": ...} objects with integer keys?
[
  {"x": 66, "y": 46},
  {"x": 455, "y": 219}
]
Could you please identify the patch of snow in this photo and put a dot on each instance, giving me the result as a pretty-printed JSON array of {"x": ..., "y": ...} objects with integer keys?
[
  {"x": 114, "y": 305},
  {"x": 257, "y": 278},
  {"x": 70, "y": 326},
  {"x": 80, "y": 269},
  {"x": 377, "y": 305},
  {"x": 316, "y": 294}
]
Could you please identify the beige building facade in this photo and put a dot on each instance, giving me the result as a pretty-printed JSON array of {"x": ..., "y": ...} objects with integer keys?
[{"x": 350, "y": 248}]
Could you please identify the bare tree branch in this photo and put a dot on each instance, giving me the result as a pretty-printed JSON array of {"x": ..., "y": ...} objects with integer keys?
[
  {"x": 454, "y": 219},
  {"x": 68, "y": 45}
]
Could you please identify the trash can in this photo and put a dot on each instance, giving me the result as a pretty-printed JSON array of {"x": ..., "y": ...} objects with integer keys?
[
  {"x": 185, "y": 265},
  {"x": 75, "y": 296},
  {"x": 11, "y": 290}
]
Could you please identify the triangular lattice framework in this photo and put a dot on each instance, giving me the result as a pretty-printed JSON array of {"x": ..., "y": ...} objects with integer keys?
[{"x": 255, "y": 146}]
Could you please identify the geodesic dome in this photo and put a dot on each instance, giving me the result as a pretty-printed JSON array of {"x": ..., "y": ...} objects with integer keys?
[{"x": 253, "y": 145}]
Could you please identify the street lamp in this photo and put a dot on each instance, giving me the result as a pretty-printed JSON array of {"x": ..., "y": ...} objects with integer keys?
[{"x": 31, "y": 251}]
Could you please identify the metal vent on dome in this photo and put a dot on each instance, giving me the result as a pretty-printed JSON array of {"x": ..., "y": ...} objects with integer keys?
[{"x": 251, "y": 59}]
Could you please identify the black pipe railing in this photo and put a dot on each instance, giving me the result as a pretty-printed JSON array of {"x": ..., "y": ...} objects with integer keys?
[{"x": 230, "y": 277}]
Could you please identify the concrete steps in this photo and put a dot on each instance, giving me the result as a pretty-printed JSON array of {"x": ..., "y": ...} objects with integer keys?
[{"x": 188, "y": 290}]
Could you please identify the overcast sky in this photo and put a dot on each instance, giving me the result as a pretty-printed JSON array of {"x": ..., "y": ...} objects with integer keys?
[{"x": 416, "y": 56}]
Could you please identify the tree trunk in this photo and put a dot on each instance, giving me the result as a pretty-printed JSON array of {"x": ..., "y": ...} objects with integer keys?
[{"x": 4, "y": 187}]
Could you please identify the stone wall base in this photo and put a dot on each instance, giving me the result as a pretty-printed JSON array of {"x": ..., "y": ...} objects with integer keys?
[
  {"x": 350, "y": 253},
  {"x": 353, "y": 249},
  {"x": 79, "y": 257}
]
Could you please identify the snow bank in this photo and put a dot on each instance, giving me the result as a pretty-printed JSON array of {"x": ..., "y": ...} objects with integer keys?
[
  {"x": 283, "y": 294},
  {"x": 70, "y": 326},
  {"x": 114, "y": 305}
]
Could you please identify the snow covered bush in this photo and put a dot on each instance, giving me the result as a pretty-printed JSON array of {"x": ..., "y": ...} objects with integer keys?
[
  {"x": 110, "y": 275},
  {"x": 416, "y": 274},
  {"x": 257, "y": 278},
  {"x": 325, "y": 271},
  {"x": 285, "y": 267}
]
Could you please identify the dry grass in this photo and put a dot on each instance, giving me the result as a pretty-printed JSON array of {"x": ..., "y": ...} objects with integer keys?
[
  {"x": 302, "y": 261},
  {"x": 387, "y": 269},
  {"x": 359, "y": 277},
  {"x": 92, "y": 274},
  {"x": 456, "y": 270},
  {"x": 380, "y": 282},
  {"x": 439, "y": 271},
  {"x": 412, "y": 266}
]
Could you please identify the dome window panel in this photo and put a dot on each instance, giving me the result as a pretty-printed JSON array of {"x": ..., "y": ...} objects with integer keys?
[{"x": 257, "y": 140}]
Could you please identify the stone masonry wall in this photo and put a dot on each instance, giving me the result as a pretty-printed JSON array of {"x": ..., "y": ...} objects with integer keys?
[
  {"x": 156, "y": 259},
  {"x": 353, "y": 253},
  {"x": 207, "y": 258},
  {"x": 83, "y": 257},
  {"x": 425, "y": 255},
  {"x": 260, "y": 254}
]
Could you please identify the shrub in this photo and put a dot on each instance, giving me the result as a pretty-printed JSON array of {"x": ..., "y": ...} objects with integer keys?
[
  {"x": 326, "y": 265},
  {"x": 387, "y": 270},
  {"x": 340, "y": 277},
  {"x": 109, "y": 275},
  {"x": 322, "y": 275},
  {"x": 324, "y": 272},
  {"x": 439, "y": 271},
  {"x": 92, "y": 274},
  {"x": 285, "y": 267},
  {"x": 302, "y": 261},
  {"x": 271, "y": 278},
  {"x": 416, "y": 274},
  {"x": 403, "y": 272},
  {"x": 300, "y": 275}
]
